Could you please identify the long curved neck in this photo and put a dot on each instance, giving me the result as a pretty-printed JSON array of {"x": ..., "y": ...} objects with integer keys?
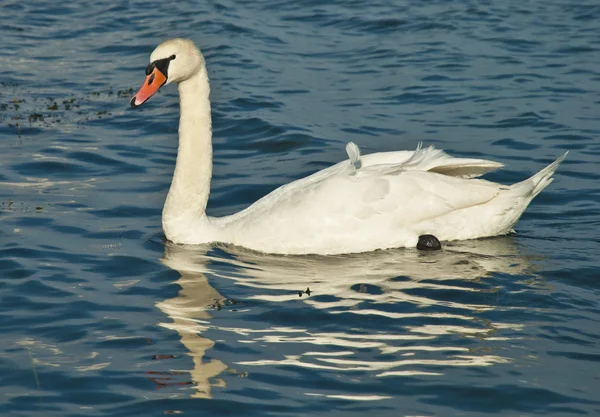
[{"x": 190, "y": 188}]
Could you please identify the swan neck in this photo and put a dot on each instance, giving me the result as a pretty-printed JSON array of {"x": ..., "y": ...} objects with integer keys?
[{"x": 190, "y": 188}]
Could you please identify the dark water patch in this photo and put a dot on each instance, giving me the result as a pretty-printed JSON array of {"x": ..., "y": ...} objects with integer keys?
[
  {"x": 40, "y": 255},
  {"x": 14, "y": 270},
  {"x": 517, "y": 45},
  {"x": 94, "y": 158},
  {"x": 127, "y": 211},
  {"x": 129, "y": 342},
  {"x": 290, "y": 92},
  {"x": 565, "y": 90},
  {"x": 116, "y": 234},
  {"x": 124, "y": 49},
  {"x": 355, "y": 131},
  {"x": 14, "y": 302},
  {"x": 578, "y": 276},
  {"x": 116, "y": 266},
  {"x": 36, "y": 287},
  {"x": 501, "y": 398},
  {"x": 529, "y": 119},
  {"x": 570, "y": 50},
  {"x": 252, "y": 103},
  {"x": 588, "y": 357},
  {"x": 442, "y": 78},
  {"x": 430, "y": 98},
  {"x": 517, "y": 75},
  {"x": 245, "y": 194},
  {"x": 61, "y": 277},
  {"x": 281, "y": 143},
  {"x": 515, "y": 144},
  {"x": 577, "y": 174},
  {"x": 564, "y": 336},
  {"x": 249, "y": 129},
  {"x": 189, "y": 406},
  {"x": 452, "y": 67},
  {"x": 135, "y": 151},
  {"x": 568, "y": 138}
]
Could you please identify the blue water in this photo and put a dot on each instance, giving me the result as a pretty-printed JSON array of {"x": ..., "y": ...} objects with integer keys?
[{"x": 100, "y": 317}]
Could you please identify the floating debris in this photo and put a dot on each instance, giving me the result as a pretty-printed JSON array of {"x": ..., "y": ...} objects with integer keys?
[
  {"x": 307, "y": 292},
  {"x": 158, "y": 357},
  {"x": 35, "y": 117},
  {"x": 125, "y": 93},
  {"x": 44, "y": 110}
]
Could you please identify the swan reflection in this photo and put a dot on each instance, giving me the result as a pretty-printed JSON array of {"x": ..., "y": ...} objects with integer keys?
[
  {"x": 190, "y": 316},
  {"x": 397, "y": 312}
]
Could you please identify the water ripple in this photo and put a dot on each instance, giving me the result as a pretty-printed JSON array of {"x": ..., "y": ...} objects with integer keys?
[{"x": 102, "y": 317}]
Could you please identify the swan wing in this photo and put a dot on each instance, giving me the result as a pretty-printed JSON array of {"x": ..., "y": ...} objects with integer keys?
[
  {"x": 360, "y": 189},
  {"x": 400, "y": 198}
]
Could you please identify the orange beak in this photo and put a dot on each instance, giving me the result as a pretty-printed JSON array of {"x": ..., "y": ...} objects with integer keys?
[{"x": 153, "y": 82}]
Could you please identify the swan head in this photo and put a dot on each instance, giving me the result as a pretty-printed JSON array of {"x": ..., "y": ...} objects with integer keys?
[{"x": 174, "y": 60}]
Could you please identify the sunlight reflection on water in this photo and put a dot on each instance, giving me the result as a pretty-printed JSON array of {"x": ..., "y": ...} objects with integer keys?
[{"x": 373, "y": 284}]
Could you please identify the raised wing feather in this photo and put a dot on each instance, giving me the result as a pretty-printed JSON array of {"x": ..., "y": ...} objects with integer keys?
[{"x": 429, "y": 159}]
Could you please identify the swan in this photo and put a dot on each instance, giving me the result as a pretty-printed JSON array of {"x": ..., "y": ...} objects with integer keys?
[{"x": 367, "y": 202}]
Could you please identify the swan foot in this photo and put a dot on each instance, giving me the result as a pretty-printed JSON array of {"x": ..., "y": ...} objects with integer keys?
[{"x": 428, "y": 242}]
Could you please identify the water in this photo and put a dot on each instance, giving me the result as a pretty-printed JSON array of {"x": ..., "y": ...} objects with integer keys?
[{"x": 100, "y": 317}]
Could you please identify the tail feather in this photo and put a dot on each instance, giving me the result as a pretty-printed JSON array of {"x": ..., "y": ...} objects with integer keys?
[{"x": 536, "y": 183}]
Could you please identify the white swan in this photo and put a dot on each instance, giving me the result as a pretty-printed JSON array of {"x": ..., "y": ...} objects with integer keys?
[{"x": 369, "y": 202}]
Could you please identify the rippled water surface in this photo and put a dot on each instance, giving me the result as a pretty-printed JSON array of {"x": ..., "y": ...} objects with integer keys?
[{"x": 101, "y": 317}]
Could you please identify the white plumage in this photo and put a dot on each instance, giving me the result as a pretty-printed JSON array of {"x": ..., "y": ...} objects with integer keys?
[{"x": 368, "y": 202}]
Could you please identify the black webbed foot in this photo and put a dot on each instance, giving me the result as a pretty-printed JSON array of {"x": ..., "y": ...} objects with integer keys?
[{"x": 428, "y": 242}]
